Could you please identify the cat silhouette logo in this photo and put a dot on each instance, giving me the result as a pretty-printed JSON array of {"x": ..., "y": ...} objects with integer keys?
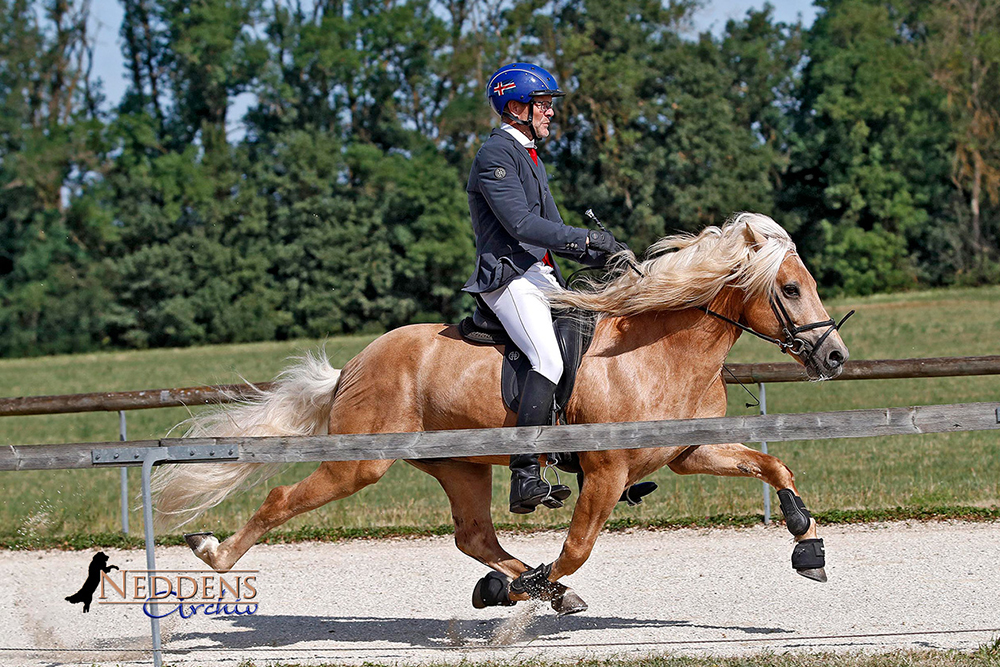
[{"x": 98, "y": 564}]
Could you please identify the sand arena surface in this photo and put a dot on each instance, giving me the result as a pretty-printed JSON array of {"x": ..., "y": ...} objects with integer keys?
[{"x": 408, "y": 601}]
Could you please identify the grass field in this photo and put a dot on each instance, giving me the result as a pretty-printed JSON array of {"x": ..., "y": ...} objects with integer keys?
[{"x": 875, "y": 473}]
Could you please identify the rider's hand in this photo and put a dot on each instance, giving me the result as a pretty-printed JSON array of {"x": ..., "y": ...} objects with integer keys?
[{"x": 602, "y": 241}]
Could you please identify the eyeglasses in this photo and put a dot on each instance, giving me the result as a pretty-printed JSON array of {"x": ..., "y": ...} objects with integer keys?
[{"x": 543, "y": 106}]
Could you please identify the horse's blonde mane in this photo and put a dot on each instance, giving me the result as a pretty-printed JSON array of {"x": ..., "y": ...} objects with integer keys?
[{"x": 688, "y": 270}]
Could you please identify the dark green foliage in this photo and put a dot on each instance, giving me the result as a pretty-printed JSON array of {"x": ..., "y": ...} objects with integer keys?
[
  {"x": 869, "y": 175},
  {"x": 338, "y": 203}
]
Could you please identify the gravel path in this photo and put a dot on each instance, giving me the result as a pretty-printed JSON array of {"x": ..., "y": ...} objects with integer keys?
[{"x": 688, "y": 592}]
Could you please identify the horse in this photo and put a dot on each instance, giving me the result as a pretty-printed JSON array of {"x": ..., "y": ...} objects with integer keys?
[{"x": 664, "y": 327}]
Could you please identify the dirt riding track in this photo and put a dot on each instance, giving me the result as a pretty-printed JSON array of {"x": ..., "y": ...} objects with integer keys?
[{"x": 689, "y": 592}]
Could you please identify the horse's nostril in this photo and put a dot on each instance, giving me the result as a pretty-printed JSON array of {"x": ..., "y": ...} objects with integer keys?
[{"x": 835, "y": 359}]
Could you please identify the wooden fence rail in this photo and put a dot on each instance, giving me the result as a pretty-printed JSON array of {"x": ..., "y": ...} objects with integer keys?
[
  {"x": 876, "y": 369},
  {"x": 504, "y": 441}
]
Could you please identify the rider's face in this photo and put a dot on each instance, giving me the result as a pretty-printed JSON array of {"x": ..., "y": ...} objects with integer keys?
[{"x": 542, "y": 116}]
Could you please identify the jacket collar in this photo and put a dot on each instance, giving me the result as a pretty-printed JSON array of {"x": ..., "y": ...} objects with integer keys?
[{"x": 518, "y": 136}]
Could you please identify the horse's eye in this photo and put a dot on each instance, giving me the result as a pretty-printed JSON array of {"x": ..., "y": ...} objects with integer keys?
[{"x": 791, "y": 290}]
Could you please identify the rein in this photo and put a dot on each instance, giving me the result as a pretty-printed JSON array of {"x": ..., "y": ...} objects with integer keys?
[{"x": 792, "y": 343}]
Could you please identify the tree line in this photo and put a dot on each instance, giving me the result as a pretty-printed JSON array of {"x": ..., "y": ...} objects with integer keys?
[{"x": 872, "y": 136}]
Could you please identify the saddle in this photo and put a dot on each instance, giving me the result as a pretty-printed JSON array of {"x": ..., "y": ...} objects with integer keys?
[{"x": 574, "y": 331}]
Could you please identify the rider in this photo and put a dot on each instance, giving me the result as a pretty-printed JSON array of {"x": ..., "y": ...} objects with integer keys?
[{"x": 516, "y": 224}]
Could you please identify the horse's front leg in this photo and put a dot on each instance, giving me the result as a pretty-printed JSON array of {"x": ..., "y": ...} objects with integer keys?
[
  {"x": 736, "y": 460},
  {"x": 604, "y": 481},
  {"x": 469, "y": 487}
]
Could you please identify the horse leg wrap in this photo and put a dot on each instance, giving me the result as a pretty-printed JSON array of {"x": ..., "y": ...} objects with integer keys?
[
  {"x": 535, "y": 583},
  {"x": 491, "y": 591},
  {"x": 797, "y": 517},
  {"x": 808, "y": 555}
]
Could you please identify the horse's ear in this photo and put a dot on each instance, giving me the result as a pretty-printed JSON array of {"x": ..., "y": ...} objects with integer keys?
[{"x": 754, "y": 237}]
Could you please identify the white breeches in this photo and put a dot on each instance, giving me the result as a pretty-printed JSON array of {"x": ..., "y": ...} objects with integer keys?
[{"x": 523, "y": 309}]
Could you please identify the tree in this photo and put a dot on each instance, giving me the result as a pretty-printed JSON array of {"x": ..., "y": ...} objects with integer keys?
[
  {"x": 188, "y": 59},
  {"x": 51, "y": 145},
  {"x": 869, "y": 153},
  {"x": 964, "y": 54},
  {"x": 659, "y": 134}
]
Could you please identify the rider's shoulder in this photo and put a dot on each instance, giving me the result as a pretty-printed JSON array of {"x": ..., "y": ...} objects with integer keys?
[{"x": 497, "y": 145}]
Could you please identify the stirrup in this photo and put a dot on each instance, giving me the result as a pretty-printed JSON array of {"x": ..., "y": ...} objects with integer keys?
[
  {"x": 554, "y": 499},
  {"x": 551, "y": 495}
]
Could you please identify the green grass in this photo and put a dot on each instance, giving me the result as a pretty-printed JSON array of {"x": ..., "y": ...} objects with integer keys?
[{"x": 914, "y": 473}]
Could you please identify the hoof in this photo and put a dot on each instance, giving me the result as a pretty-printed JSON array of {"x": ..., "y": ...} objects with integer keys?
[
  {"x": 568, "y": 603},
  {"x": 816, "y": 574},
  {"x": 202, "y": 544},
  {"x": 195, "y": 540}
]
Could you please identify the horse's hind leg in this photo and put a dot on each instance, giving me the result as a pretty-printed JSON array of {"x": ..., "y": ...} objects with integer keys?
[
  {"x": 333, "y": 480},
  {"x": 736, "y": 460}
]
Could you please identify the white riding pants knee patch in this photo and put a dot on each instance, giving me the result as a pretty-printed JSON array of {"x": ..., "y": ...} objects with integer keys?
[{"x": 523, "y": 309}]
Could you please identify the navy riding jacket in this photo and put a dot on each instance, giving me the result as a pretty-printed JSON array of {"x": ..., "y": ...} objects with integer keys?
[{"x": 515, "y": 218}]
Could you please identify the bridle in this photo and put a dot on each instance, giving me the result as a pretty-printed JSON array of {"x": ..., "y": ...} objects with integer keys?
[{"x": 792, "y": 343}]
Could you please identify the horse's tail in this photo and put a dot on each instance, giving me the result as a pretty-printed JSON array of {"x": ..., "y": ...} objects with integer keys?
[{"x": 297, "y": 403}]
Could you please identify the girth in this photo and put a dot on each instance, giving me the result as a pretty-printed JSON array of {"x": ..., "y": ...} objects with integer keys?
[{"x": 574, "y": 331}]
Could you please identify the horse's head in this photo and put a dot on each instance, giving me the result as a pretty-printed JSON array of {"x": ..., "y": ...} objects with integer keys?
[{"x": 792, "y": 313}]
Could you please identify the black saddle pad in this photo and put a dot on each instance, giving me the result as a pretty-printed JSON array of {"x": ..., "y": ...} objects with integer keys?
[{"x": 574, "y": 332}]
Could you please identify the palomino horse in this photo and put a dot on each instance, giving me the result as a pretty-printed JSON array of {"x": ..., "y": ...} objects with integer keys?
[{"x": 665, "y": 327}]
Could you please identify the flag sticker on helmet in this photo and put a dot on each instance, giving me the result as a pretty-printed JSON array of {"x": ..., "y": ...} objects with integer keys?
[
  {"x": 503, "y": 86},
  {"x": 499, "y": 173}
]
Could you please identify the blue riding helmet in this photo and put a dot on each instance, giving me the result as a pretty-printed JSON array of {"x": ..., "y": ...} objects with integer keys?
[{"x": 521, "y": 82}]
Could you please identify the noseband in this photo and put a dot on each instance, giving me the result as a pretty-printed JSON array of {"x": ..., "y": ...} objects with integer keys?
[{"x": 792, "y": 343}]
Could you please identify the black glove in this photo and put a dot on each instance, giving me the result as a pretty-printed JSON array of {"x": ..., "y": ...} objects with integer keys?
[{"x": 602, "y": 242}]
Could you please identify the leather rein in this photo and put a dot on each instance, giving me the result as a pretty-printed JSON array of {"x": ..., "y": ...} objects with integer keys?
[{"x": 792, "y": 343}]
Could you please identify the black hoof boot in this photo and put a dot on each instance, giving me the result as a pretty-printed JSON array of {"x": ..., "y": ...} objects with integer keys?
[
  {"x": 634, "y": 494},
  {"x": 797, "y": 517},
  {"x": 492, "y": 591},
  {"x": 809, "y": 559},
  {"x": 535, "y": 582}
]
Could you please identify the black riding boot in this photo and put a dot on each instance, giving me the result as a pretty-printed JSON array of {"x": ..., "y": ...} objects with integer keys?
[{"x": 527, "y": 488}]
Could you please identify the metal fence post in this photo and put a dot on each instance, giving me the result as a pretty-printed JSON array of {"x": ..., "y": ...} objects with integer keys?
[
  {"x": 123, "y": 472},
  {"x": 151, "y": 456},
  {"x": 763, "y": 448}
]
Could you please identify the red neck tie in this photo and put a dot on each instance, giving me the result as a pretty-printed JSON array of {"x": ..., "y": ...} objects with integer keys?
[{"x": 534, "y": 156}]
